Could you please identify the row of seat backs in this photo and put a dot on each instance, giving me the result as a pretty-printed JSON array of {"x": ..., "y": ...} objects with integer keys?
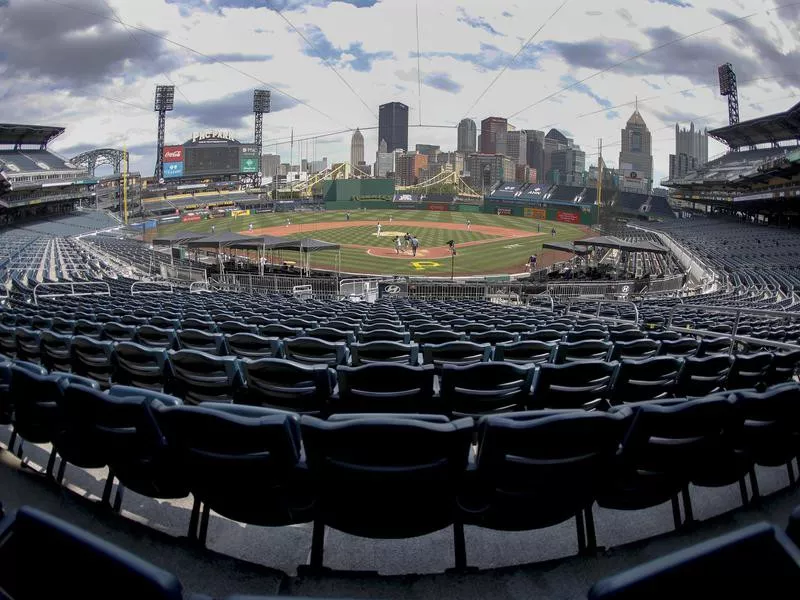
[{"x": 362, "y": 476}]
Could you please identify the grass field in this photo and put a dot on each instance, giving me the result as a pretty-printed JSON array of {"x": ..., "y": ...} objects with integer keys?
[{"x": 495, "y": 245}]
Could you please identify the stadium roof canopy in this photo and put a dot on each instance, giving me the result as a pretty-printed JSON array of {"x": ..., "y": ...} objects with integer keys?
[
  {"x": 564, "y": 247},
  {"x": 177, "y": 238},
  {"x": 780, "y": 127},
  {"x": 223, "y": 239},
  {"x": 28, "y": 134},
  {"x": 309, "y": 245},
  {"x": 267, "y": 242},
  {"x": 610, "y": 241}
]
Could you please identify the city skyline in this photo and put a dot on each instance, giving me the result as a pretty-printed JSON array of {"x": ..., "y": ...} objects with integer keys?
[{"x": 568, "y": 76}]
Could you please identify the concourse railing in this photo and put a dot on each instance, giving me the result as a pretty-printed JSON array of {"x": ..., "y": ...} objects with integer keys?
[{"x": 72, "y": 288}]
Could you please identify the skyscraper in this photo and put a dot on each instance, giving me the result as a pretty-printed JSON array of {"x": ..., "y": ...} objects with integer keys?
[
  {"x": 494, "y": 135},
  {"x": 636, "y": 157},
  {"x": 517, "y": 147},
  {"x": 393, "y": 125},
  {"x": 691, "y": 151},
  {"x": 467, "y": 132},
  {"x": 535, "y": 152},
  {"x": 357, "y": 148}
]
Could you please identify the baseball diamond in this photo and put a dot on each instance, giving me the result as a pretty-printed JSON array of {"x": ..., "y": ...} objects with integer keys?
[{"x": 493, "y": 244}]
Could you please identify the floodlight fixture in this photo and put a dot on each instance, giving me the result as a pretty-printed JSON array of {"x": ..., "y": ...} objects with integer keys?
[
  {"x": 261, "y": 101},
  {"x": 727, "y": 79},
  {"x": 165, "y": 98}
]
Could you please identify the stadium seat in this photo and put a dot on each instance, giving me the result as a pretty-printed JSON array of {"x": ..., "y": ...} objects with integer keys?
[
  {"x": 202, "y": 341},
  {"x": 119, "y": 333},
  {"x": 579, "y": 351},
  {"x": 249, "y": 345},
  {"x": 538, "y": 469},
  {"x": 384, "y": 351},
  {"x": 242, "y": 462},
  {"x": 314, "y": 351},
  {"x": 493, "y": 337},
  {"x": 436, "y": 336},
  {"x": 634, "y": 349},
  {"x": 387, "y": 335},
  {"x": 626, "y": 335},
  {"x": 709, "y": 346},
  {"x": 456, "y": 353},
  {"x": 92, "y": 358},
  {"x": 279, "y": 331},
  {"x": 526, "y": 352},
  {"x": 646, "y": 379},
  {"x": 56, "y": 351},
  {"x": 233, "y": 327},
  {"x": 28, "y": 344},
  {"x": 783, "y": 367},
  {"x": 150, "y": 335},
  {"x": 286, "y": 385},
  {"x": 756, "y": 561},
  {"x": 749, "y": 371},
  {"x": 669, "y": 446},
  {"x": 680, "y": 347},
  {"x": 542, "y": 335},
  {"x": 199, "y": 377},
  {"x": 63, "y": 326},
  {"x": 585, "y": 334},
  {"x": 87, "y": 566},
  {"x": 8, "y": 340},
  {"x": 485, "y": 388},
  {"x": 141, "y": 366},
  {"x": 582, "y": 384},
  {"x": 664, "y": 336},
  {"x": 199, "y": 324},
  {"x": 370, "y": 482},
  {"x": 385, "y": 388},
  {"x": 703, "y": 376},
  {"x": 329, "y": 334},
  {"x": 92, "y": 329}
]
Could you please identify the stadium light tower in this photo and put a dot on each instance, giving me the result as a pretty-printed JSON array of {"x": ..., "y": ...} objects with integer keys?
[
  {"x": 727, "y": 87},
  {"x": 165, "y": 101},
  {"x": 261, "y": 105}
]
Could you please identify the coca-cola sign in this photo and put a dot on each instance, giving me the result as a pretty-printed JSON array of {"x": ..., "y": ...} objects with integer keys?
[{"x": 173, "y": 153}]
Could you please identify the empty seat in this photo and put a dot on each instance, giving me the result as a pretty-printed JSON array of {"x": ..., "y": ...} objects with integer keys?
[
  {"x": 385, "y": 388},
  {"x": 582, "y": 384},
  {"x": 92, "y": 329},
  {"x": 455, "y": 353},
  {"x": 626, "y": 335},
  {"x": 384, "y": 351},
  {"x": 231, "y": 327},
  {"x": 585, "y": 334},
  {"x": 114, "y": 572},
  {"x": 708, "y": 346},
  {"x": 8, "y": 340},
  {"x": 664, "y": 336},
  {"x": 203, "y": 341},
  {"x": 200, "y": 325},
  {"x": 287, "y": 385},
  {"x": 484, "y": 388},
  {"x": 702, "y": 376},
  {"x": 783, "y": 367},
  {"x": 681, "y": 347},
  {"x": 92, "y": 358},
  {"x": 156, "y": 336},
  {"x": 329, "y": 334},
  {"x": 141, "y": 366},
  {"x": 495, "y": 336},
  {"x": 379, "y": 334},
  {"x": 242, "y": 462},
  {"x": 249, "y": 345},
  {"x": 199, "y": 377},
  {"x": 279, "y": 331},
  {"x": 543, "y": 335},
  {"x": 437, "y": 336},
  {"x": 749, "y": 371},
  {"x": 315, "y": 351},
  {"x": 28, "y": 344},
  {"x": 634, "y": 349},
  {"x": 580, "y": 351},
  {"x": 119, "y": 333},
  {"x": 538, "y": 469},
  {"x": 56, "y": 351},
  {"x": 525, "y": 352},
  {"x": 371, "y": 482},
  {"x": 756, "y": 561},
  {"x": 646, "y": 379}
]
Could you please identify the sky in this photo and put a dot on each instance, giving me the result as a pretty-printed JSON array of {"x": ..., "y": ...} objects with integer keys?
[{"x": 579, "y": 66}]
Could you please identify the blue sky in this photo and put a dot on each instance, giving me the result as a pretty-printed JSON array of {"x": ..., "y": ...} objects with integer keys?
[{"x": 331, "y": 63}]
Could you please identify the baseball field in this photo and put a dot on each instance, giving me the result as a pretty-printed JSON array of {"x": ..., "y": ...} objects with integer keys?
[{"x": 485, "y": 244}]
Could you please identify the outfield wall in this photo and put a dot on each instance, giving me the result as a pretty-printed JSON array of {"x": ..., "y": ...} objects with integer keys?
[{"x": 584, "y": 215}]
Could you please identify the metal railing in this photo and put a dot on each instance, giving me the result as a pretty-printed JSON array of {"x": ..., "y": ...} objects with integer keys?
[
  {"x": 168, "y": 288},
  {"x": 199, "y": 287},
  {"x": 600, "y": 303},
  {"x": 72, "y": 289},
  {"x": 738, "y": 312}
]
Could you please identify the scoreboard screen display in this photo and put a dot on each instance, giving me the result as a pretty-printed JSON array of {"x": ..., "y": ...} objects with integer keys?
[{"x": 211, "y": 160}]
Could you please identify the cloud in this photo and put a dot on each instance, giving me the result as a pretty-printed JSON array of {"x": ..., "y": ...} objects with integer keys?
[
  {"x": 477, "y": 22},
  {"x": 74, "y": 49},
  {"x": 626, "y": 16},
  {"x": 282, "y": 5},
  {"x": 229, "y": 112},
  {"x": 491, "y": 58},
  {"x": 651, "y": 85},
  {"x": 353, "y": 56},
  {"x": 678, "y": 3},
  {"x": 507, "y": 14},
  {"x": 232, "y": 57},
  {"x": 442, "y": 81},
  {"x": 582, "y": 88}
]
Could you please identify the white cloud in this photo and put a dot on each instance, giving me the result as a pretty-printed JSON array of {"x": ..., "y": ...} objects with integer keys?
[{"x": 458, "y": 63}]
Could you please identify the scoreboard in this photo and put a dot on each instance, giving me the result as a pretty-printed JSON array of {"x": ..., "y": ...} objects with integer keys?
[{"x": 210, "y": 157}]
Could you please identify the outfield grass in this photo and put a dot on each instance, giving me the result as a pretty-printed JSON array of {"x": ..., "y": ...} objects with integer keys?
[{"x": 501, "y": 256}]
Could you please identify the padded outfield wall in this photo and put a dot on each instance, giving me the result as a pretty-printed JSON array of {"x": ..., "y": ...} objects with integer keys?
[
  {"x": 565, "y": 213},
  {"x": 345, "y": 190}
]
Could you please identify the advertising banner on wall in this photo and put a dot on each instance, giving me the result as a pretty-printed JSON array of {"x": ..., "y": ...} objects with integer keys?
[
  {"x": 535, "y": 213},
  {"x": 568, "y": 217},
  {"x": 173, "y": 154},
  {"x": 392, "y": 289},
  {"x": 248, "y": 159},
  {"x": 438, "y": 206},
  {"x": 173, "y": 169},
  {"x": 503, "y": 211},
  {"x": 191, "y": 218}
]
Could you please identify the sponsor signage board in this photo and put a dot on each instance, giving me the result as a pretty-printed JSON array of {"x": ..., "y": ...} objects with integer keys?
[
  {"x": 503, "y": 211},
  {"x": 173, "y": 154},
  {"x": 190, "y": 218},
  {"x": 392, "y": 289},
  {"x": 535, "y": 213},
  {"x": 173, "y": 169},
  {"x": 248, "y": 164},
  {"x": 568, "y": 217},
  {"x": 439, "y": 207}
]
